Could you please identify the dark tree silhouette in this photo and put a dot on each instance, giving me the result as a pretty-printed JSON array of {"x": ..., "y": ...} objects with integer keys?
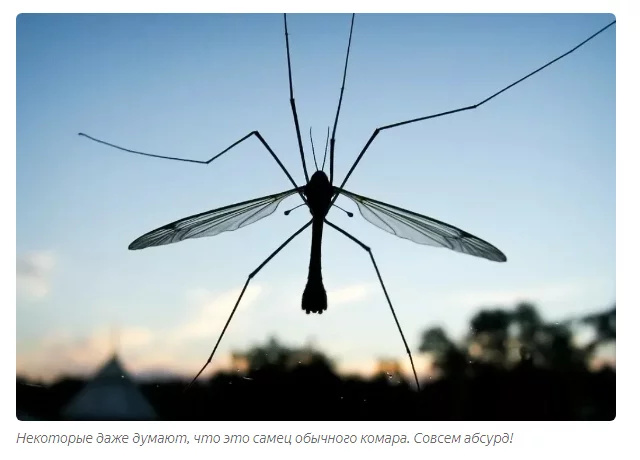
[
  {"x": 513, "y": 365},
  {"x": 490, "y": 332},
  {"x": 604, "y": 324},
  {"x": 448, "y": 358}
]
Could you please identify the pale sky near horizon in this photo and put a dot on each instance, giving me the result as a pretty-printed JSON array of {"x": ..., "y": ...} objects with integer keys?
[{"x": 532, "y": 172}]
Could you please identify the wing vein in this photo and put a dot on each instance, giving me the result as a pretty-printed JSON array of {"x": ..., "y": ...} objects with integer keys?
[
  {"x": 210, "y": 223},
  {"x": 422, "y": 229}
]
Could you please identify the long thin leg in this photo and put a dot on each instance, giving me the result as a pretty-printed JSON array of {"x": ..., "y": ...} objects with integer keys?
[
  {"x": 462, "y": 109},
  {"x": 335, "y": 123},
  {"x": 202, "y": 162},
  {"x": 249, "y": 278},
  {"x": 368, "y": 249},
  {"x": 293, "y": 102}
]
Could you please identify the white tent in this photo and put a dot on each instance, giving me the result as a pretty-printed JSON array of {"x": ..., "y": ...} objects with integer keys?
[{"x": 110, "y": 395}]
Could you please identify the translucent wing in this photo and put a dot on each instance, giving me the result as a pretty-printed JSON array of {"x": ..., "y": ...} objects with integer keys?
[
  {"x": 211, "y": 223},
  {"x": 422, "y": 229}
]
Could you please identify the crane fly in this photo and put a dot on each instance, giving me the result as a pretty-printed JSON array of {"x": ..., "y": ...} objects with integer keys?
[{"x": 319, "y": 195}]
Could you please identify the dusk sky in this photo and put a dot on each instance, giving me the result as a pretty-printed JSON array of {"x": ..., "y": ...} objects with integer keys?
[{"x": 532, "y": 172}]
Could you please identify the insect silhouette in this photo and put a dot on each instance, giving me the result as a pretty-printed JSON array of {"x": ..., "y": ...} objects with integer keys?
[{"x": 319, "y": 195}]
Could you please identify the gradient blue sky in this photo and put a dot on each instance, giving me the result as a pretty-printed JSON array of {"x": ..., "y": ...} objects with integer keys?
[{"x": 532, "y": 172}]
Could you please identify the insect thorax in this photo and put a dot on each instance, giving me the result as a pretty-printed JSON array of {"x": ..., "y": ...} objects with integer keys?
[{"x": 318, "y": 192}]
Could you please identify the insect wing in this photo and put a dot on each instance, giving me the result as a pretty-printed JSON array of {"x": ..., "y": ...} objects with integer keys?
[
  {"x": 422, "y": 229},
  {"x": 213, "y": 222}
]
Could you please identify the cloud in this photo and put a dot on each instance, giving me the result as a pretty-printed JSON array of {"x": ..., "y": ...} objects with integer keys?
[
  {"x": 349, "y": 294},
  {"x": 134, "y": 338},
  {"x": 33, "y": 274},
  {"x": 211, "y": 312},
  {"x": 141, "y": 349},
  {"x": 63, "y": 353}
]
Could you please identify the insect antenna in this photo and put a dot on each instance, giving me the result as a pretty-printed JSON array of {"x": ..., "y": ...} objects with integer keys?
[
  {"x": 335, "y": 124},
  {"x": 313, "y": 150},
  {"x": 326, "y": 144}
]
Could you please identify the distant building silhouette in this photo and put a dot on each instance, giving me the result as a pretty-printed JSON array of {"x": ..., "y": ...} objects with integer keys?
[{"x": 109, "y": 395}]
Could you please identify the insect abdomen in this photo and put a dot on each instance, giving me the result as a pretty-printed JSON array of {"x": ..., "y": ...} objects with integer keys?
[{"x": 314, "y": 297}]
